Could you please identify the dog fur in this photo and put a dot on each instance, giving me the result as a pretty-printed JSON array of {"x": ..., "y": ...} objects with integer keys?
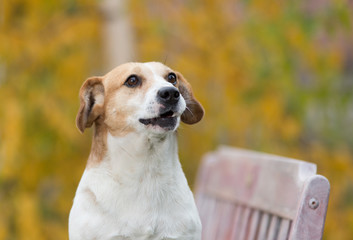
[{"x": 133, "y": 186}]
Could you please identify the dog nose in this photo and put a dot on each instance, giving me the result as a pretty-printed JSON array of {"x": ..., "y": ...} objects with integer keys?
[{"x": 168, "y": 95}]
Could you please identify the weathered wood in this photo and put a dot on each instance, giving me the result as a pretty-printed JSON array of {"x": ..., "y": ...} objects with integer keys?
[
  {"x": 273, "y": 228},
  {"x": 225, "y": 225},
  {"x": 310, "y": 219},
  {"x": 254, "y": 196},
  {"x": 242, "y": 176},
  {"x": 244, "y": 223},
  {"x": 212, "y": 221},
  {"x": 236, "y": 221},
  {"x": 284, "y": 229},
  {"x": 254, "y": 224},
  {"x": 264, "y": 224}
]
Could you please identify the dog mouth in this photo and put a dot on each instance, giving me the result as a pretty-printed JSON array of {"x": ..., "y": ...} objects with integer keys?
[{"x": 166, "y": 120}]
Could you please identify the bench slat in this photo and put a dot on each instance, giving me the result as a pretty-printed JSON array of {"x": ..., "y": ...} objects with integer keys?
[
  {"x": 254, "y": 225},
  {"x": 243, "y": 228},
  {"x": 264, "y": 224},
  {"x": 225, "y": 227},
  {"x": 238, "y": 212},
  {"x": 274, "y": 227},
  {"x": 283, "y": 233}
]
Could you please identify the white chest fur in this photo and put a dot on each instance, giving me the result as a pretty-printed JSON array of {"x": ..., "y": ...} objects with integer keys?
[{"x": 138, "y": 191}]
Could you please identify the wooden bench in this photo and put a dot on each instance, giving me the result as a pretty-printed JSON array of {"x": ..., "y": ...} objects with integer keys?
[{"x": 248, "y": 195}]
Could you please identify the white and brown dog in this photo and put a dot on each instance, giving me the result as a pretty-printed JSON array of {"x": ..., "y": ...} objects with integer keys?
[{"x": 133, "y": 186}]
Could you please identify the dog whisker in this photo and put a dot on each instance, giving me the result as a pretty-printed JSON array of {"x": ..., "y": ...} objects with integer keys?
[{"x": 189, "y": 111}]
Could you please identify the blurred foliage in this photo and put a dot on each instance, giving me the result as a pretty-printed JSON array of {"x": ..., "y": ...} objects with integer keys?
[
  {"x": 47, "y": 49},
  {"x": 273, "y": 76}
]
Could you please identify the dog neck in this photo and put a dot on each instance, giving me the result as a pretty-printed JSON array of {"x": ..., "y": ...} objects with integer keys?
[{"x": 134, "y": 155}]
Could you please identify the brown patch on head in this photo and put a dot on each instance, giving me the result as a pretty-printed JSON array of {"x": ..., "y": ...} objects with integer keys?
[
  {"x": 103, "y": 102},
  {"x": 108, "y": 103},
  {"x": 117, "y": 109},
  {"x": 194, "y": 110}
]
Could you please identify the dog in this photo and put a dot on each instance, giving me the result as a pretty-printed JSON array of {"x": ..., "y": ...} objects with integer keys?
[{"x": 133, "y": 186}]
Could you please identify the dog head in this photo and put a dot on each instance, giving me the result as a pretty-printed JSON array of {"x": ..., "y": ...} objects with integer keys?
[{"x": 138, "y": 97}]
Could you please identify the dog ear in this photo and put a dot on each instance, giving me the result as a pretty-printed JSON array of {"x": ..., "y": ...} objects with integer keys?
[
  {"x": 194, "y": 111},
  {"x": 91, "y": 103}
]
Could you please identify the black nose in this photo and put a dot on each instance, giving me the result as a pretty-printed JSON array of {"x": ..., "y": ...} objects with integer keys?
[{"x": 168, "y": 95}]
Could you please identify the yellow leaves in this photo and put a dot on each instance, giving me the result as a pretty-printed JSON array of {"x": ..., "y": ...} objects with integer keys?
[
  {"x": 57, "y": 118},
  {"x": 11, "y": 135},
  {"x": 277, "y": 124},
  {"x": 343, "y": 161},
  {"x": 55, "y": 231},
  {"x": 269, "y": 9},
  {"x": 47, "y": 49},
  {"x": 3, "y": 228},
  {"x": 295, "y": 35},
  {"x": 271, "y": 110},
  {"x": 27, "y": 219},
  {"x": 291, "y": 128},
  {"x": 6, "y": 212}
]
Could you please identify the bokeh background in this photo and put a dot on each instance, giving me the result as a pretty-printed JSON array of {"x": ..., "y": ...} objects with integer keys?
[{"x": 274, "y": 76}]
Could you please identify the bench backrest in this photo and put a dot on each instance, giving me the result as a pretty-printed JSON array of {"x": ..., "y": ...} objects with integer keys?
[{"x": 248, "y": 195}]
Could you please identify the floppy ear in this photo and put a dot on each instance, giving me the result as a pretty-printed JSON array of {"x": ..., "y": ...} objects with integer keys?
[
  {"x": 91, "y": 103},
  {"x": 194, "y": 111}
]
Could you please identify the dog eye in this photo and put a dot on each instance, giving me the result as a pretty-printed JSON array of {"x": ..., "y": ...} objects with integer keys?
[
  {"x": 132, "y": 81},
  {"x": 172, "y": 78}
]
